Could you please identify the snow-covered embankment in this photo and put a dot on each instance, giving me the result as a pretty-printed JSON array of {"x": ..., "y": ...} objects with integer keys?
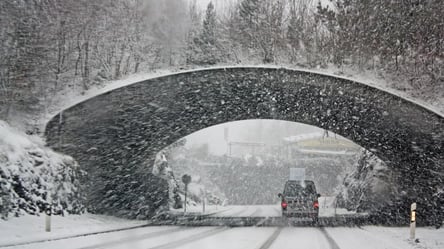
[{"x": 29, "y": 171}]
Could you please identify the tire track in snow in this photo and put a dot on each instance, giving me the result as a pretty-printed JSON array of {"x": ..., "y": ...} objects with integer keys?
[
  {"x": 134, "y": 238},
  {"x": 191, "y": 239},
  {"x": 271, "y": 239},
  {"x": 73, "y": 236},
  {"x": 331, "y": 241}
]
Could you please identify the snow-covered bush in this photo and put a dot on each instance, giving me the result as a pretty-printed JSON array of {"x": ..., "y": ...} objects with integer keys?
[
  {"x": 369, "y": 186},
  {"x": 196, "y": 189},
  {"x": 162, "y": 169},
  {"x": 29, "y": 172}
]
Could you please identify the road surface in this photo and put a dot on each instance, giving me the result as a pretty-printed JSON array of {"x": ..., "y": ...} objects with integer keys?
[
  {"x": 164, "y": 237},
  {"x": 254, "y": 236}
]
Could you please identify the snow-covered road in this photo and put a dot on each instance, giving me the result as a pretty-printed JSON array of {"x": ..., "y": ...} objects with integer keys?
[
  {"x": 98, "y": 231},
  {"x": 251, "y": 237}
]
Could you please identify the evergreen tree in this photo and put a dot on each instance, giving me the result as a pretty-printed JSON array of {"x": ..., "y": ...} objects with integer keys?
[
  {"x": 212, "y": 51},
  {"x": 192, "y": 50},
  {"x": 205, "y": 47},
  {"x": 248, "y": 12},
  {"x": 209, "y": 26},
  {"x": 294, "y": 34}
]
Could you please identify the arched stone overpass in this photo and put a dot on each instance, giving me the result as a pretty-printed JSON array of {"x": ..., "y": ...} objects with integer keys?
[{"x": 115, "y": 136}]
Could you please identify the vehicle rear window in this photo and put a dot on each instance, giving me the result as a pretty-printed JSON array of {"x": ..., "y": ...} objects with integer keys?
[{"x": 297, "y": 189}]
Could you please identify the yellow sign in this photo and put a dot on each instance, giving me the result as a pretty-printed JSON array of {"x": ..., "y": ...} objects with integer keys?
[{"x": 413, "y": 216}]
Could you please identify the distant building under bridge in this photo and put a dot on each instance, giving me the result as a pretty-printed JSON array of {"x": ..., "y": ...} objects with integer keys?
[
  {"x": 304, "y": 145},
  {"x": 318, "y": 144}
]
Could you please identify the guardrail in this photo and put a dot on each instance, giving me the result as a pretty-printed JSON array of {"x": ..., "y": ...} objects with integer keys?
[{"x": 205, "y": 220}]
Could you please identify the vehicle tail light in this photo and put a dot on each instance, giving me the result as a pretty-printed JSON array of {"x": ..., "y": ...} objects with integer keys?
[
  {"x": 284, "y": 204},
  {"x": 316, "y": 204}
]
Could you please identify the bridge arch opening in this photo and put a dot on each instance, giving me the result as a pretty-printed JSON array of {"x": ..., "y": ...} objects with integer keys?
[{"x": 242, "y": 165}]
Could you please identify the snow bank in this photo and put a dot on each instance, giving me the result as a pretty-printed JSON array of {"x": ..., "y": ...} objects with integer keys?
[
  {"x": 30, "y": 228},
  {"x": 29, "y": 171}
]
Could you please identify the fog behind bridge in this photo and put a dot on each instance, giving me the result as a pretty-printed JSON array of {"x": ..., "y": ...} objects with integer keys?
[{"x": 269, "y": 132}]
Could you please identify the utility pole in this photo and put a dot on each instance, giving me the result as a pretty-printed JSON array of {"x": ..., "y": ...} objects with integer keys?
[
  {"x": 186, "y": 179},
  {"x": 60, "y": 129},
  {"x": 203, "y": 200}
]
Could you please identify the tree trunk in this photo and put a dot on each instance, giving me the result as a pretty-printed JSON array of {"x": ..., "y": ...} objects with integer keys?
[
  {"x": 86, "y": 67},
  {"x": 118, "y": 73},
  {"x": 136, "y": 63},
  {"x": 79, "y": 55},
  {"x": 127, "y": 65},
  {"x": 61, "y": 54}
]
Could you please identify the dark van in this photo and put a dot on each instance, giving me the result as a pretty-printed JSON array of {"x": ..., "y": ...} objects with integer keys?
[{"x": 300, "y": 199}]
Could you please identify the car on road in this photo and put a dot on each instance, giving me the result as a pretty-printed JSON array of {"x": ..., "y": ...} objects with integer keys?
[{"x": 300, "y": 199}]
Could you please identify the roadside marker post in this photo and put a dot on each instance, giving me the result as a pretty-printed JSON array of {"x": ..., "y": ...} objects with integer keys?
[
  {"x": 336, "y": 203},
  {"x": 412, "y": 220},
  {"x": 48, "y": 212},
  {"x": 48, "y": 221}
]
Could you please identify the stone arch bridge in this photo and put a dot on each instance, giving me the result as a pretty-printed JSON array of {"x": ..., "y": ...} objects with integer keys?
[{"x": 116, "y": 135}]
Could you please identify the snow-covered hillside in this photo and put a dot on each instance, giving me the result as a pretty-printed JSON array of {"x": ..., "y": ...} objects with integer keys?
[
  {"x": 31, "y": 228},
  {"x": 29, "y": 171}
]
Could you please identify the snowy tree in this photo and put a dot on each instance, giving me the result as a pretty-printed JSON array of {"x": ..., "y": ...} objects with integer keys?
[
  {"x": 24, "y": 62},
  {"x": 209, "y": 26},
  {"x": 261, "y": 26},
  {"x": 389, "y": 36},
  {"x": 205, "y": 47},
  {"x": 300, "y": 31},
  {"x": 170, "y": 29}
]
